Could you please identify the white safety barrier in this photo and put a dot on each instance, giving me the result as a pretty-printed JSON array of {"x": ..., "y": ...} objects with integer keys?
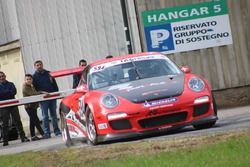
[
  {"x": 44, "y": 97},
  {"x": 37, "y": 98}
]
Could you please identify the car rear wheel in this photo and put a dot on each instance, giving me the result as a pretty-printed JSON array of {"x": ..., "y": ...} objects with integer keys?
[
  {"x": 65, "y": 130},
  {"x": 91, "y": 128}
]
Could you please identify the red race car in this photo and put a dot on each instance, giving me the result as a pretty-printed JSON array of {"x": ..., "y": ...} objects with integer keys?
[{"x": 134, "y": 95}]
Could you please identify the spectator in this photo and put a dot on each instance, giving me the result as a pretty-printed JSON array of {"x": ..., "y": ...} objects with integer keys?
[
  {"x": 8, "y": 91},
  {"x": 42, "y": 81},
  {"x": 109, "y": 56},
  {"x": 31, "y": 109},
  {"x": 77, "y": 77}
]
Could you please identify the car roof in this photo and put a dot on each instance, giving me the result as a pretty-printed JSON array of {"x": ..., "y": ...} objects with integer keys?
[{"x": 98, "y": 62}]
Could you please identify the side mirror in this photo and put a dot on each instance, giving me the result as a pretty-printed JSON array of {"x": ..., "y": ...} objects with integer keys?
[
  {"x": 81, "y": 89},
  {"x": 185, "y": 69}
]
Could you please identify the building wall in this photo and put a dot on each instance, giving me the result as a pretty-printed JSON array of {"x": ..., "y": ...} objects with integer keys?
[
  {"x": 9, "y": 30},
  {"x": 226, "y": 66},
  {"x": 61, "y": 32}
]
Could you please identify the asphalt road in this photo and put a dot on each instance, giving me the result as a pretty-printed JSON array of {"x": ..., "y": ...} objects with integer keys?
[{"x": 229, "y": 119}]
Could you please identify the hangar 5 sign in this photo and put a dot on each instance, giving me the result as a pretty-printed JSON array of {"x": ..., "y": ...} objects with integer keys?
[{"x": 186, "y": 28}]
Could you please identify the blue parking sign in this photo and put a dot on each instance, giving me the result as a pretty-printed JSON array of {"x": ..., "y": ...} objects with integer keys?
[{"x": 159, "y": 38}]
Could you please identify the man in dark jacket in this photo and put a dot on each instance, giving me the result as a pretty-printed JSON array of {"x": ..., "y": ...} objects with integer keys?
[
  {"x": 77, "y": 77},
  {"x": 8, "y": 91},
  {"x": 42, "y": 81}
]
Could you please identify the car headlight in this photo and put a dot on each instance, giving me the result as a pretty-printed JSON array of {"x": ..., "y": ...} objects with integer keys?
[
  {"x": 196, "y": 84},
  {"x": 109, "y": 101}
]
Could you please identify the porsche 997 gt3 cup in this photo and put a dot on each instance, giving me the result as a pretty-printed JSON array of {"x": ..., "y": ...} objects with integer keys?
[{"x": 133, "y": 95}]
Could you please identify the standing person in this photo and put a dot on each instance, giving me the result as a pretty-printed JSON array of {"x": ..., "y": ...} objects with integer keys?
[
  {"x": 77, "y": 77},
  {"x": 8, "y": 91},
  {"x": 31, "y": 109},
  {"x": 42, "y": 81}
]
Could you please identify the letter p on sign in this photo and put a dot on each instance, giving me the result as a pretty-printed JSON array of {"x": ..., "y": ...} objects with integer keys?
[{"x": 158, "y": 36}]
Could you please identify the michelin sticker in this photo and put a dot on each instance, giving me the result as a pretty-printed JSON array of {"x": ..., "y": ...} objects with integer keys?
[
  {"x": 159, "y": 102},
  {"x": 186, "y": 28}
]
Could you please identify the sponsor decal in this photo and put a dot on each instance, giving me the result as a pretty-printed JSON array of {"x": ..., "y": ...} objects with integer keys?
[
  {"x": 102, "y": 126},
  {"x": 165, "y": 127},
  {"x": 71, "y": 116},
  {"x": 154, "y": 92},
  {"x": 120, "y": 86},
  {"x": 128, "y": 87},
  {"x": 74, "y": 131},
  {"x": 81, "y": 108},
  {"x": 159, "y": 102},
  {"x": 161, "y": 106}
]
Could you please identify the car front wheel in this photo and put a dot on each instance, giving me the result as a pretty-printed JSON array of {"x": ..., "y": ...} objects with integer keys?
[{"x": 91, "y": 128}]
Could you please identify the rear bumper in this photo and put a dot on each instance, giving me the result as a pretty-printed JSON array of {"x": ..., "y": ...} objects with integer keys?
[{"x": 119, "y": 136}]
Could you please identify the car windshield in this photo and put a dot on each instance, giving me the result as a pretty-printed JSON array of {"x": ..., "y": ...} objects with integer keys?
[{"x": 128, "y": 70}]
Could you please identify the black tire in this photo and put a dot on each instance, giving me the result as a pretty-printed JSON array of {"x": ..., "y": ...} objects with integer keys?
[
  {"x": 91, "y": 128},
  {"x": 65, "y": 131},
  {"x": 205, "y": 125},
  {"x": 214, "y": 105}
]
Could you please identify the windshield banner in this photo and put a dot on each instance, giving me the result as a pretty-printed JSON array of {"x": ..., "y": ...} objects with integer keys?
[{"x": 101, "y": 67}]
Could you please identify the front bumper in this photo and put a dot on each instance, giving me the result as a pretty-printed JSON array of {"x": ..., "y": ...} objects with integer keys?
[{"x": 127, "y": 135}]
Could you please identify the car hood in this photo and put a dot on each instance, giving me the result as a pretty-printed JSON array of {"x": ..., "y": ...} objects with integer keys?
[{"x": 149, "y": 88}]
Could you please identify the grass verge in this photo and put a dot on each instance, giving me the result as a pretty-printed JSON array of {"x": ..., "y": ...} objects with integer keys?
[{"x": 231, "y": 149}]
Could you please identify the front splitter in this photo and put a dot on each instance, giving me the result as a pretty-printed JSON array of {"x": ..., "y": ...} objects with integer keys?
[{"x": 132, "y": 134}]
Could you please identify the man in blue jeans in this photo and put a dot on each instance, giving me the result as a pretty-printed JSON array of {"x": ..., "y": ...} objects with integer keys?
[{"x": 42, "y": 81}]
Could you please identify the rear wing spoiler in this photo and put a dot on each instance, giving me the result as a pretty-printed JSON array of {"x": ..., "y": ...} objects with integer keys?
[
  {"x": 66, "y": 72},
  {"x": 44, "y": 97}
]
